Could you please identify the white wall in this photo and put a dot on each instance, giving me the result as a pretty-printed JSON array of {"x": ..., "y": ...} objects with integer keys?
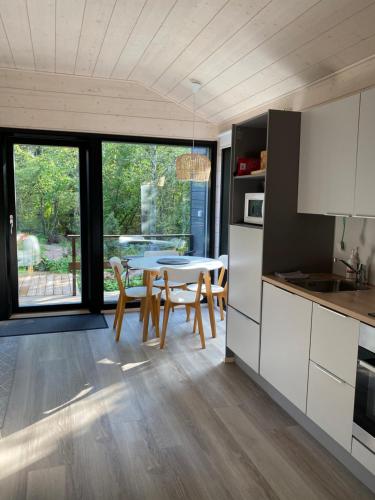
[
  {"x": 80, "y": 104},
  {"x": 359, "y": 233}
]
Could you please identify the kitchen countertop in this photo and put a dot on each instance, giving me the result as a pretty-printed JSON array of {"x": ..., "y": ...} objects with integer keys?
[{"x": 354, "y": 304}]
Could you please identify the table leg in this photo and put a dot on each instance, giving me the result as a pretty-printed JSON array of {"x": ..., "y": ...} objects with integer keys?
[
  {"x": 210, "y": 303},
  {"x": 146, "y": 305}
]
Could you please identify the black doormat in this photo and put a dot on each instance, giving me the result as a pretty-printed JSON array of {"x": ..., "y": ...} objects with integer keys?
[{"x": 52, "y": 324}]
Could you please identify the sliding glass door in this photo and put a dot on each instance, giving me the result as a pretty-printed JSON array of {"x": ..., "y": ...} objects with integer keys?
[
  {"x": 146, "y": 209},
  {"x": 45, "y": 225},
  {"x": 69, "y": 201}
]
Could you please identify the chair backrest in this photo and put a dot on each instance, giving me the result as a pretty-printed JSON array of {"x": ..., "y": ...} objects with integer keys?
[
  {"x": 224, "y": 260},
  {"x": 118, "y": 269},
  {"x": 116, "y": 264},
  {"x": 155, "y": 253},
  {"x": 185, "y": 275}
]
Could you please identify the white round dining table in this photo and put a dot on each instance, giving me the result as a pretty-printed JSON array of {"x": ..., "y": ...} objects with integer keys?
[
  {"x": 151, "y": 266},
  {"x": 151, "y": 263}
]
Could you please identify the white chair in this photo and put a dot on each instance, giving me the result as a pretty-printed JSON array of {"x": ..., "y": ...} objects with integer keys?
[
  {"x": 147, "y": 293},
  {"x": 182, "y": 297},
  {"x": 219, "y": 291},
  {"x": 160, "y": 283}
]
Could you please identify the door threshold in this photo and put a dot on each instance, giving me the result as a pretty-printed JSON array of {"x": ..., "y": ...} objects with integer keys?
[{"x": 48, "y": 313}]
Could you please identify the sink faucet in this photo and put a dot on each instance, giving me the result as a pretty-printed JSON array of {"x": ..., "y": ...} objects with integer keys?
[{"x": 359, "y": 271}]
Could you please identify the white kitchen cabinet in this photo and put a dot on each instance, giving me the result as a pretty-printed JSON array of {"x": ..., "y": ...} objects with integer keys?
[
  {"x": 328, "y": 150},
  {"x": 245, "y": 270},
  {"x": 364, "y": 204},
  {"x": 243, "y": 337},
  {"x": 330, "y": 404},
  {"x": 334, "y": 342},
  {"x": 285, "y": 343}
]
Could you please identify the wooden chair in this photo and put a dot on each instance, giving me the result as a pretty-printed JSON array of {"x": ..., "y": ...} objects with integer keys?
[
  {"x": 146, "y": 293},
  {"x": 219, "y": 291},
  {"x": 160, "y": 283},
  {"x": 182, "y": 297}
]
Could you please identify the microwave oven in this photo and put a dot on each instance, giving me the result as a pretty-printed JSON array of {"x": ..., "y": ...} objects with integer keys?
[{"x": 254, "y": 207}]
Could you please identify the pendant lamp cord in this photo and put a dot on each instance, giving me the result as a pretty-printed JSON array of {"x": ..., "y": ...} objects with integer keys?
[{"x": 194, "y": 92}]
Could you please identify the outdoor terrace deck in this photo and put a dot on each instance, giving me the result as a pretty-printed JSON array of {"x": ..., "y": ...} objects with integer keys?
[{"x": 37, "y": 288}]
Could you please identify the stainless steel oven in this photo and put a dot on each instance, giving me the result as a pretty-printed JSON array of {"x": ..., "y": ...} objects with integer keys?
[{"x": 364, "y": 406}]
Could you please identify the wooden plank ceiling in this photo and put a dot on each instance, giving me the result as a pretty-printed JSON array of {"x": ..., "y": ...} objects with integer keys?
[{"x": 245, "y": 52}]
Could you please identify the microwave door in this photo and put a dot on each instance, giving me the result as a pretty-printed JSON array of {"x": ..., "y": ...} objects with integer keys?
[{"x": 255, "y": 209}]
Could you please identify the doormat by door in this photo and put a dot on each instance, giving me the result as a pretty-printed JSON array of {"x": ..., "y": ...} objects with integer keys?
[{"x": 52, "y": 324}]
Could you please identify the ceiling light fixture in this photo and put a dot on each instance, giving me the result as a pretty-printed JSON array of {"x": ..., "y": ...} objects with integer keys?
[{"x": 193, "y": 166}]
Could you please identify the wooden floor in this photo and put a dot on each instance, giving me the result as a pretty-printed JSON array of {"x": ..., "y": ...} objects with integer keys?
[{"x": 89, "y": 419}]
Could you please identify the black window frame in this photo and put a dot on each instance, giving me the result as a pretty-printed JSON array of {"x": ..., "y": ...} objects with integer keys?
[{"x": 90, "y": 147}]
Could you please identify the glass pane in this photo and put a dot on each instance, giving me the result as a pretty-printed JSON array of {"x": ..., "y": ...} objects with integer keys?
[
  {"x": 147, "y": 209},
  {"x": 48, "y": 224}
]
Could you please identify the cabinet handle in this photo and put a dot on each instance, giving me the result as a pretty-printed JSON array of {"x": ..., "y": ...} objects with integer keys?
[
  {"x": 339, "y": 381},
  {"x": 365, "y": 216},
  {"x": 368, "y": 367},
  {"x": 332, "y": 311},
  {"x": 339, "y": 214}
]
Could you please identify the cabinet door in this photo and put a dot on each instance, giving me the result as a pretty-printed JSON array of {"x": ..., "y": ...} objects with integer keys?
[
  {"x": 243, "y": 337},
  {"x": 364, "y": 205},
  {"x": 328, "y": 158},
  {"x": 334, "y": 343},
  {"x": 285, "y": 343},
  {"x": 330, "y": 404},
  {"x": 245, "y": 270}
]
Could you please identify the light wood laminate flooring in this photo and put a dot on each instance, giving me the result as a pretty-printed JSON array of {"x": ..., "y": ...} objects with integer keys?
[{"x": 92, "y": 419}]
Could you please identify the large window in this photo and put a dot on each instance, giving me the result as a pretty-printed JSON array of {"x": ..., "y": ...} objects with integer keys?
[
  {"x": 71, "y": 201},
  {"x": 146, "y": 209}
]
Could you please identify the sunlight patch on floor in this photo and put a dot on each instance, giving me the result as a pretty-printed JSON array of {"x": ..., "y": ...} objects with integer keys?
[
  {"x": 106, "y": 361},
  {"x": 80, "y": 395},
  {"x": 40, "y": 439},
  {"x": 130, "y": 366}
]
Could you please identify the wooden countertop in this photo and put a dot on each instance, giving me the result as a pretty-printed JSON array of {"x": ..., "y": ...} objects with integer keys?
[{"x": 355, "y": 304}]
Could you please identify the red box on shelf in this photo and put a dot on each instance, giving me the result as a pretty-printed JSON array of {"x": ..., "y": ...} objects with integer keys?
[{"x": 247, "y": 165}]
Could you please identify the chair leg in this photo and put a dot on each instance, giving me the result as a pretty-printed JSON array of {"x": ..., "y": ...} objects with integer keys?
[
  {"x": 118, "y": 306},
  {"x": 141, "y": 310},
  {"x": 200, "y": 325},
  {"x": 165, "y": 323},
  {"x": 158, "y": 306},
  {"x": 211, "y": 305},
  {"x": 152, "y": 309},
  {"x": 120, "y": 318},
  {"x": 195, "y": 322},
  {"x": 155, "y": 316},
  {"x": 146, "y": 316},
  {"x": 221, "y": 305},
  {"x": 187, "y": 313}
]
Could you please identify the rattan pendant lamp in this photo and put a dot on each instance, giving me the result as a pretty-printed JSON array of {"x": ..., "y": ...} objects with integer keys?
[{"x": 193, "y": 166}]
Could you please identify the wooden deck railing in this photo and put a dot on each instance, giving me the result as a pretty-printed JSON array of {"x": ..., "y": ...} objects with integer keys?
[{"x": 75, "y": 264}]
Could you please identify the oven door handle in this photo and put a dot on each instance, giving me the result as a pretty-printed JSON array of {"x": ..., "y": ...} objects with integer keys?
[{"x": 368, "y": 367}]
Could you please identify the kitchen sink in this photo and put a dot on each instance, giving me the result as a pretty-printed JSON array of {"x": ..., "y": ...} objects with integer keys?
[{"x": 328, "y": 286}]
